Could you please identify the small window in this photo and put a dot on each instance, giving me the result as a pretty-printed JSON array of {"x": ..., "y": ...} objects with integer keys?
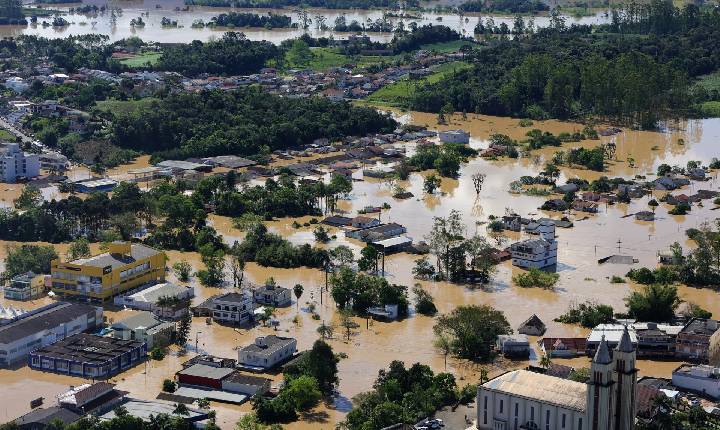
[
  {"x": 562, "y": 421},
  {"x": 501, "y": 406}
]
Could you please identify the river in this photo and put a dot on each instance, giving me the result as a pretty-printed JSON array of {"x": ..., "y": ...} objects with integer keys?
[
  {"x": 153, "y": 11},
  {"x": 410, "y": 340}
]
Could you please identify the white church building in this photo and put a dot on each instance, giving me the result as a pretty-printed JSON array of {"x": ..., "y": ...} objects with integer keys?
[
  {"x": 536, "y": 253},
  {"x": 524, "y": 400}
]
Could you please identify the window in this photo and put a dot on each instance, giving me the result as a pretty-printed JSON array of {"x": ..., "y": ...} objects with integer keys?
[
  {"x": 501, "y": 406},
  {"x": 485, "y": 402},
  {"x": 532, "y": 413},
  {"x": 579, "y": 423},
  {"x": 547, "y": 420},
  {"x": 562, "y": 421}
]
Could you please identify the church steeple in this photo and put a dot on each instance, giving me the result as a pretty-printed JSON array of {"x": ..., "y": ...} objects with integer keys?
[
  {"x": 626, "y": 382},
  {"x": 601, "y": 394}
]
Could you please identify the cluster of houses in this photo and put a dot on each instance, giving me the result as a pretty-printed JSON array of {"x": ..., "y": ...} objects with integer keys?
[{"x": 241, "y": 307}]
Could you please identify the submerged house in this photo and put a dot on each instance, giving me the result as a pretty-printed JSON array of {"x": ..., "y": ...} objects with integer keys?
[
  {"x": 536, "y": 253},
  {"x": 533, "y": 326}
]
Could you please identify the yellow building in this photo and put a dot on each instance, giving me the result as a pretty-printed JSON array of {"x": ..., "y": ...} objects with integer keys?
[{"x": 100, "y": 277}]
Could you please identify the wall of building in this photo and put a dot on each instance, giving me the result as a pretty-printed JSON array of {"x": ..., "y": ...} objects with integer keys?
[{"x": 499, "y": 411}]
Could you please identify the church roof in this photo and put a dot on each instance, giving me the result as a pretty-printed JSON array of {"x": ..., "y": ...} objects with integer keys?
[
  {"x": 602, "y": 356},
  {"x": 542, "y": 388},
  {"x": 625, "y": 344}
]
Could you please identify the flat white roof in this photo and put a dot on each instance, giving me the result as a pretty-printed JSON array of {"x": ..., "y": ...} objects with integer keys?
[{"x": 394, "y": 241}]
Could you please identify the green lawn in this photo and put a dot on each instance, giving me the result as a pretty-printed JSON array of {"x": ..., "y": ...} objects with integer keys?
[
  {"x": 396, "y": 94},
  {"x": 6, "y": 136},
  {"x": 453, "y": 46},
  {"x": 710, "y": 109},
  {"x": 142, "y": 59},
  {"x": 120, "y": 106},
  {"x": 325, "y": 58}
]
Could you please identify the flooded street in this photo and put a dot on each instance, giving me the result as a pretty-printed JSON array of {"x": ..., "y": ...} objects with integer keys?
[
  {"x": 153, "y": 11},
  {"x": 376, "y": 344}
]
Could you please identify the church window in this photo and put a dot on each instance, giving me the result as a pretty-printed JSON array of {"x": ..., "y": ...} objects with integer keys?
[
  {"x": 547, "y": 420},
  {"x": 501, "y": 406},
  {"x": 579, "y": 423},
  {"x": 563, "y": 421}
]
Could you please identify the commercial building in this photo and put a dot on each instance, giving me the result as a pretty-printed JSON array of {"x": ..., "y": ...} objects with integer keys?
[
  {"x": 202, "y": 375},
  {"x": 43, "y": 326},
  {"x": 27, "y": 286},
  {"x": 43, "y": 418},
  {"x": 693, "y": 341},
  {"x": 377, "y": 233},
  {"x": 701, "y": 379},
  {"x": 145, "y": 409},
  {"x": 267, "y": 352},
  {"x": 98, "y": 278},
  {"x": 16, "y": 164},
  {"x": 88, "y": 356},
  {"x": 522, "y": 399},
  {"x": 97, "y": 185},
  {"x": 145, "y": 327},
  {"x": 147, "y": 299},
  {"x": 272, "y": 295},
  {"x": 536, "y": 253}
]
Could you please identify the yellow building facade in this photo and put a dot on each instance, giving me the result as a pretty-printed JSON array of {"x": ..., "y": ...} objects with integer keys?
[{"x": 100, "y": 277}]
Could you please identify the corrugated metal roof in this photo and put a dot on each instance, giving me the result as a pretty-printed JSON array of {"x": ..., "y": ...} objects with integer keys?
[{"x": 543, "y": 388}]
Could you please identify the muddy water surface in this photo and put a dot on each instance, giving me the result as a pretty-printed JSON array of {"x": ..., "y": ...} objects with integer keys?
[{"x": 375, "y": 344}]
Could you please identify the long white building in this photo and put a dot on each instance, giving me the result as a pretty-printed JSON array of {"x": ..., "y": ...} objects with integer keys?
[
  {"x": 44, "y": 326},
  {"x": 527, "y": 400},
  {"x": 536, "y": 253},
  {"x": 14, "y": 163}
]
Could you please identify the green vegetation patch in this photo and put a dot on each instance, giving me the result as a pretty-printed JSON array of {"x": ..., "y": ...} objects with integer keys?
[
  {"x": 709, "y": 109},
  {"x": 397, "y": 94},
  {"x": 141, "y": 60},
  {"x": 125, "y": 106}
]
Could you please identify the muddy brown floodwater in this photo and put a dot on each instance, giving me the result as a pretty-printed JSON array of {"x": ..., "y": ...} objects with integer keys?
[{"x": 376, "y": 344}]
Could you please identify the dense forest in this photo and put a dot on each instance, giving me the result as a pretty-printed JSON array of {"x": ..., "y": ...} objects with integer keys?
[
  {"x": 232, "y": 54},
  {"x": 244, "y": 122},
  {"x": 328, "y": 4},
  {"x": 504, "y": 6},
  {"x": 635, "y": 70},
  {"x": 236, "y": 19},
  {"x": 71, "y": 53}
]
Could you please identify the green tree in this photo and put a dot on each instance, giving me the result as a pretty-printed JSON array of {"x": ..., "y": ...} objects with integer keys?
[
  {"x": 79, "y": 248},
  {"x": 30, "y": 197},
  {"x": 183, "y": 270},
  {"x": 431, "y": 183},
  {"x": 299, "y": 53},
  {"x": 298, "y": 291},
  {"x": 28, "y": 258},
  {"x": 423, "y": 301},
  {"x": 472, "y": 330},
  {"x": 655, "y": 303},
  {"x": 183, "y": 330}
]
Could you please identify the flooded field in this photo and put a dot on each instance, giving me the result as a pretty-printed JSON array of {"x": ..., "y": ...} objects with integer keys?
[
  {"x": 152, "y": 12},
  {"x": 375, "y": 344}
]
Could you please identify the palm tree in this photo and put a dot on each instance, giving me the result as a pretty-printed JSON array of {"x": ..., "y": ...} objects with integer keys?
[
  {"x": 298, "y": 290},
  {"x": 444, "y": 344}
]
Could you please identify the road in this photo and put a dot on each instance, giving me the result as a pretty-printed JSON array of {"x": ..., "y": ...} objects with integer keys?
[{"x": 24, "y": 138}]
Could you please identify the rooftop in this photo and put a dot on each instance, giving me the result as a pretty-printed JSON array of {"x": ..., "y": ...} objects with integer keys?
[
  {"x": 137, "y": 252},
  {"x": 232, "y": 298},
  {"x": 205, "y": 371},
  {"x": 267, "y": 345},
  {"x": 548, "y": 389},
  {"x": 152, "y": 294},
  {"x": 42, "y": 319},
  {"x": 241, "y": 378},
  {"x": 700, "y": 326},
  {"x": 44, "y": 416},
  {"x": 145, "y": 408},
  {"x": 142, "y": 319},
  {"x": 88, "y": 348}
]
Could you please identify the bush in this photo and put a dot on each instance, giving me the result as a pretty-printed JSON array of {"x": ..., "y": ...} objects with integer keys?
[
  {"x": 587, "y": 315},
  {"x": 536, "y": 278},
  {"x": 617, "y": 280},
  {"x": 157, "y": 354},
  {"x": 423, "y": 301},
  {"x": 169, "y": 386}
]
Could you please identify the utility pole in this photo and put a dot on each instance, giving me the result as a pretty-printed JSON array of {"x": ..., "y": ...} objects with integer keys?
[{"x": 196, "y": 341}]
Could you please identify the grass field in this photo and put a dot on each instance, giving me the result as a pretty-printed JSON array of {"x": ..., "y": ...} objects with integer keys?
[
  {"x": 710, "y": 109},
  {"x": 445, "y": 47},
  {"x": 6, "y": 136},
  {"x": 142, "y": 59},
  {"x": 120, "y": 106},
  {"x": 395, "y": 95}
]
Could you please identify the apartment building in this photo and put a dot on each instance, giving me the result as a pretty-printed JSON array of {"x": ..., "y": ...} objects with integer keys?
[{"x": 16, "y": 164}]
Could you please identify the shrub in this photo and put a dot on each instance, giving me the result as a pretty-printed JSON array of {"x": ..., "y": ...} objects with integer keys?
[{"x": 536, "y": 278}]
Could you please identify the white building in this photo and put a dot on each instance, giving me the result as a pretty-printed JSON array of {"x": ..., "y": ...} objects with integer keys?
[
  {"x": 246, "y": 384},
  {"x": 233, "y": 308},
  {"x": 701, "y": 379},
  {"x": 145, "y": 327},
  {"x": 536, "y": 253},
  {"x": 54, "y": 161},
  {"x": 14, "y": 163},
  {"x": 17, "y": 84},
  {"x": 43, "y": 326},
  {"x": 267, "y": 351},
  {"x": 522, "y": 399},
  {"x": 454, "y": 136},
  {"x": 147, "y": 299},
  {"x": 272, "y": 295}
]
